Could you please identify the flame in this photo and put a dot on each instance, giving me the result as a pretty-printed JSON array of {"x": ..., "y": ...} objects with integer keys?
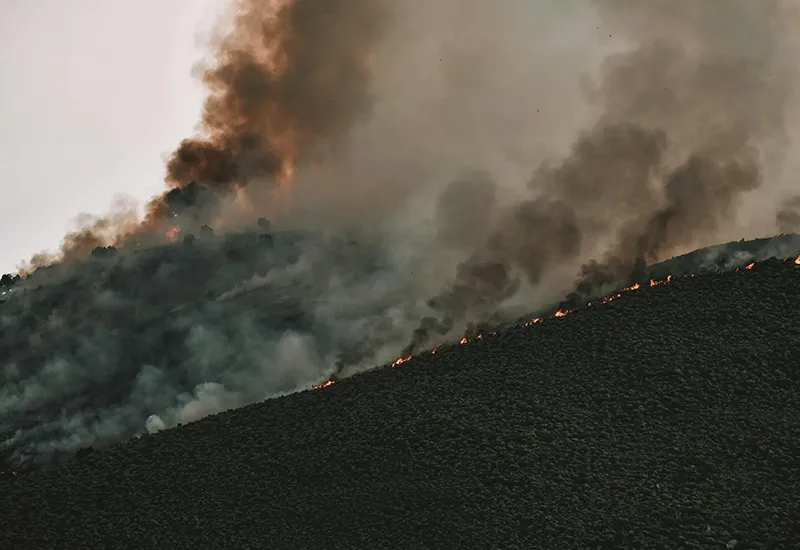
[
  {"x": 564, "y": 312},
  {"x": 325, "y": 385}
]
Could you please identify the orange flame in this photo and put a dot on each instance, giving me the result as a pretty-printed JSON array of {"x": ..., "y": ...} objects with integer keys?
[{"x": 564, "y": 312}]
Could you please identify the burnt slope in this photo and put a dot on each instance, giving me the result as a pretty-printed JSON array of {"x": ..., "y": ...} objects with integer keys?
[{"x": 669, "y": 418}]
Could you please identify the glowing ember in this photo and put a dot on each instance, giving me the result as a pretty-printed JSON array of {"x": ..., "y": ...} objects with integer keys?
[
  {"x": 172, "y": 233},
  {"x": 563, "y": 312}
]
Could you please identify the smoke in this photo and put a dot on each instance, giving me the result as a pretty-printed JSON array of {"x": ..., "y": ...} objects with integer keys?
[
  {"x": 288, "y": 81},
  {"x": 690, "y": 112},
  {"x": 788, "y": 215},
  {"x": 285, "y": 81},
  {"x": 427, "y": 168}
]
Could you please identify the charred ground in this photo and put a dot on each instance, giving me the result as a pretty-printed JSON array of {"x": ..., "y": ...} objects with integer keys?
[{"x": 665, "y": 419}]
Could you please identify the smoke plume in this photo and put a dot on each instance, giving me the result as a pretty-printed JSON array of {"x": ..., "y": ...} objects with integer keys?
[
  {"x": 288, "y": 82},
  {"x": 688, "y": 113},
  {"x": 428, "y": 170}
]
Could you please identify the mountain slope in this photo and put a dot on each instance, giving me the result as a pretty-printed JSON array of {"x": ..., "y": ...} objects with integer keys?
[
  {"x": 95, "y": 352},
  {"x": 669, "y": 417}
]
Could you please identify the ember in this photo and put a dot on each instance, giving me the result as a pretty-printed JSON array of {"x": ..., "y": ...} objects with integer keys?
[
  {"x": 172, "y": 233},
  {"x": 563, "y": 312}
]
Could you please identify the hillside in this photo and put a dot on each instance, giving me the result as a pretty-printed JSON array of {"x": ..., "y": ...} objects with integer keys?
[
  {"x": 95, "y": 351},
  {"x": 666, "y": 418}
]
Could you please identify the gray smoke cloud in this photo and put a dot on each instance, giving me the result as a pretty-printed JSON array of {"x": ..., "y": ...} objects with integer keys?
[
  {"x": 691, "y": 118},
  {"x": 440, "y": 166},
  {"x": 788, "y": 215}
]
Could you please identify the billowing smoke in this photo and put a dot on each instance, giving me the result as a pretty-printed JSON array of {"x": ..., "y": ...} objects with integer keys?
[
  {"x": 428, "y": 169},
  {"x": 688, "y": 112},
  {"x": 287, "y": 83},
  {"x": 286, "y": 80}
]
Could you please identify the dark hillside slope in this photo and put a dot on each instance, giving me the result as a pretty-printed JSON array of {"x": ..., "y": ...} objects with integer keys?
[
  {"x": 95, "y": 352},
  {"x": 669, "y": 418}
]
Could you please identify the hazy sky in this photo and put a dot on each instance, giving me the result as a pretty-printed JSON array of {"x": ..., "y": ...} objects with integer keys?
[{"x": 93, "y": 95}]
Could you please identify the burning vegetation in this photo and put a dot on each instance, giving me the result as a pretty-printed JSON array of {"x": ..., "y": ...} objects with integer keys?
[
  {"x": 403, "y": 215},
  {"x": 562, "y": 313}
]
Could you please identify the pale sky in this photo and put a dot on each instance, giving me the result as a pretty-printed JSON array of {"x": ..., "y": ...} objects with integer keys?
[{"x": 93, "y": 95}]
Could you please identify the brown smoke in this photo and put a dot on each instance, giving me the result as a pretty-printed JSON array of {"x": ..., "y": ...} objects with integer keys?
[
  {"x": 695, "y": 88},
  {"x": 284, "y": 85}
]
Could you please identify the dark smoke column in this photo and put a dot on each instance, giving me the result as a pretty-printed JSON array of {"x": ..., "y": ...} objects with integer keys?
[{"x": 289, "y": 79}]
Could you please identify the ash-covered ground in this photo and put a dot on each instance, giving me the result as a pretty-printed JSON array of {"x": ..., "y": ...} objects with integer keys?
[{"x": 667, "y": 418}]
